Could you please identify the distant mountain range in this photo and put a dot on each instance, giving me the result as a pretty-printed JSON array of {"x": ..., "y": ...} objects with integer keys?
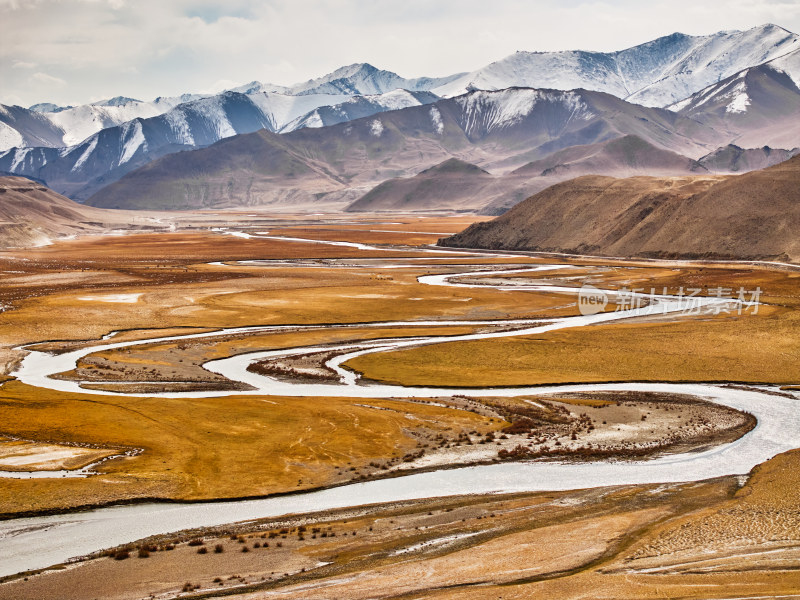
[
  {"x": 499, "y": 131},
  {"x": 657, "y": 73},
  {"x": 79, "y": 171},
  {"x": 727, "y": 88},
  {"x": 456, "y": 185},
  {"x": 750, "y": 216}
]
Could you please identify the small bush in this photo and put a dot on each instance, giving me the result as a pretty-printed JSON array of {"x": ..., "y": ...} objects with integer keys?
[
  {"x": 143, "y": 553},
  {"x": 218, "y": 549},
  {"x": 122, "y": 555},
  {"x": 202, "y": 550},
  {"x": 196, "y": 542}
]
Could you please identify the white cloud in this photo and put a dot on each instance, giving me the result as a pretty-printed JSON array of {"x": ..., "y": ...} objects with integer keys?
[
  {"x": 21, "y": 64},
  {"x": 40, "y": 77}
]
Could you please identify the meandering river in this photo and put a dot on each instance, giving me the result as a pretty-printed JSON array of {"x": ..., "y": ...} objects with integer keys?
[{"x": 33, "y": 543}]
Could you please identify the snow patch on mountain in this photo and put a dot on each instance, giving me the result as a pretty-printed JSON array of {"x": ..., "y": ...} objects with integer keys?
[
  {"x": 394, "y": 100},
  {"x": 362, "y": 79},
  {"x": 548, "y": 70},
  {"x": 436, "y": 119},
  {"x": 118, "y": 101},
  {"x": 9, "y": 137},
  {"x": 376, "y": 128},
  {"x": 740, "y": 100},
  {"x": 213, "y": 111},
  {"x": 20, "y": 154},
  {"x": 48, "y": 107},
  {"x": 179, "y": 126},
  {"x": 83, "y": 121},
  {"x": 494, "y": 110},
  {"x": 314, "y": 120},
  {"x": 788, "y": 64},
  {"x": 713, "y": 58},
  {"x": 282, "y": 109},
  {"x": 357, "y": 107},
  {"x": 86, "y": 154},
  {"x": 132, "y": 139}
]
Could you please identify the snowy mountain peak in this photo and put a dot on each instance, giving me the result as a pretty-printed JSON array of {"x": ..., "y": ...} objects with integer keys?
[
  {"x": 117, "y": 101},
  {"x": 48, "y": 107},
  {"x": 657, "y": 73},
  {"x": 358, "y": 79},
  {"x": 349, "y": 71}
]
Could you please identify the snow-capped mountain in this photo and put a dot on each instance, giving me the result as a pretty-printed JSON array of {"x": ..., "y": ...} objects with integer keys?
[
  {"x": 20, "y": 127},
  {"x": 360, "y": 106},
  {"x": 113, "y": 151},
  {"x": 100, "y": 159},
  {"x": 497, "y": 130},
  {"x": 78, "y": 149},
  {"x": 360, "y": 79},
  {"x": 757, "y": 106},
  {"x": 80, "y": 122},
  {"x": 48, "y": 107},
  {"x": 658, "y": 73},
  {"x": 49, "y": 125}
]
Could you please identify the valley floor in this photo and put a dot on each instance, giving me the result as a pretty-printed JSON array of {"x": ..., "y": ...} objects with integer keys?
[{"x": 150, "y": 400}]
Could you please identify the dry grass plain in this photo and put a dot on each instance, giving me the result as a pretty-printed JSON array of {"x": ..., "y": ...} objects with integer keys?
[
  {"x": 707, "y": 540},
  {"x": 751, "y": 348}
]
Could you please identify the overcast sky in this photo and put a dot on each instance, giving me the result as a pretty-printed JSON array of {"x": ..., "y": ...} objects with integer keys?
[{"x": 77, "y": 51}]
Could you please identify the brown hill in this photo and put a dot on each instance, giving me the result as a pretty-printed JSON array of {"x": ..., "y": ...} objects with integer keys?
[
  {"x": 456, "y": 185},
  {"x": 751, "y": 216},
  {"x": 451, "y": 185},
  {"x": 31, "y": 214},
  {"x": 624, "y": 156}
]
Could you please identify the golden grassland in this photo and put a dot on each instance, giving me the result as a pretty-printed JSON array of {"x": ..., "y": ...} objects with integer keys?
[
  {"x": 230, "y": 296},
  {"x": 232, "y": 449},
  {"x": 593, "y": 543},
  {"x": 224, "y": 447},
  {"x": 181, "y": 359},
  {"x": 759, "y": 348},
  {"x": 180, "y": 294},
  {"x": 253, "y": 297}
]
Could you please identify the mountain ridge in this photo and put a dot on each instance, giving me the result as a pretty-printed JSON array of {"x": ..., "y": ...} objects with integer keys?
[
  {"x": 642, "y": 74},
  {"x": 754, "y": 216}
]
